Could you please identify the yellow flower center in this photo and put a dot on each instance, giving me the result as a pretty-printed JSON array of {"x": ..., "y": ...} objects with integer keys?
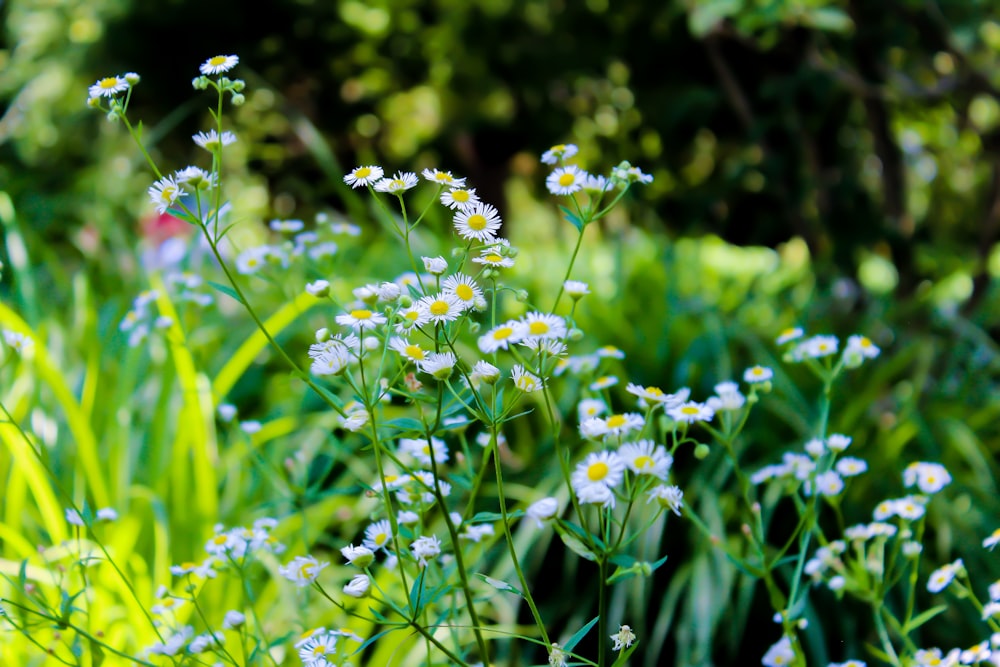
[
  {"x": 414, "y": 352},
  {"x": 502, "y": 333},
  {"x": 306, "y": 571},
  {"x": 439, "y": 308},
  {"x": 443, "y": 177},
  {"x": 380, "y": 539},
  {"x": 567, "y": 179},
  {"x": 864, "y": 342},
  {"x": 477, "y": 222},
  {"x": 188, "y": 566},
  {"x": 558, "y": 148},
  {"x": 412, "y": 315},
  {"x": 459, "y": 196},
  {"x": 643, "y": 462},
  {"x": 493, "y": 258},
  {"x": 464, "y": 292},
  {"x": 219, "y": 540},
  {"x": 654, "y": 391},
  {"x": 538, "y": 328},
  {"x": 109, "y": 82},
  {"x": 217, "y": 60},
  {"x": 361, "y": 314},
  {"x": 319, "y": 649},
  {"x": 616, "y": 421},
  {"x": 362, "y": 172},
  {"x": 689, "y": 410},
  {"x": 597, "y": 471}
]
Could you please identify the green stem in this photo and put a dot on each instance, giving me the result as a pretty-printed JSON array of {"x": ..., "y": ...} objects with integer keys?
[{"x": 569, "y": 269}]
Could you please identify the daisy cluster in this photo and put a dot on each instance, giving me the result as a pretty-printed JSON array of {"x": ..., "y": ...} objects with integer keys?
[
  {"x": 143, "y": 318},
  {"x": 798, "y": 347}
]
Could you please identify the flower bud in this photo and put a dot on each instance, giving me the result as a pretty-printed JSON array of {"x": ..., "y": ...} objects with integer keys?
[
  {"x": 238, "y": 100},
  {"x": 701, "y": 451}
]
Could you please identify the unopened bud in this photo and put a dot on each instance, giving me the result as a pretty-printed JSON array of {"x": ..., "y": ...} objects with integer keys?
[
  {"x": 701, "y": 451},
  {"x": 238, "y": 100}
]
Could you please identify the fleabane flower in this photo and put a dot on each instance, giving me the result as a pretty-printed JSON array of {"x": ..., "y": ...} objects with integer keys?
[
  {"x": 361, "y": 319},
  {"x": 364, "y": 175},
  {"x": 163, "y": 193},
  {"x": 818, "y": 346},
  {"x": 992, "y": 540},
  {"x": 780, "y": 654},
  {"x": 459, "y": 198},
  {"x": 623, "y": 638},
  {"x": 859, "y": 348},
  {"x": 314, "y": 651},
  {"x": 442, "y": 178},
  {"x": 691, "y": 412},
  {"x": 524, "y": 380},
  {"x": 929, "y": 477},
  {"x": 411, "y": 351},
  {"x": 544, "y": 325},
  {"x": 559, "y": 152},
  {"x": 441, "y": 308},
  {"x": 576, "y": 289},
  {"x": 19, "y": 342},
  {"x": 757, "y": 374},
  {"x": 109, "y": 86},
  {"x": 668, "y": 497},
  {"x": 425, "y": 548},
  {"x": 358, "y": 586},
  {"x": 600, "y": 469},
  {"x": 727, "y": 397},
  {"x": 438, "y": 364},
  {"x": 494, "y": 256},
  {"x": 590, "y": 407},
  {"x": 421, "y": 450},
  {"x": 479, "y": 222},
  {"x": 219, "y": 64},
  {"x": 378, "y": 535},
  {"x": 620, "y": 424},
  {"x": 542, "y": 510},
  {"x": 213, "y": 141},
  {"x": 501, "y": 337},
  {"x": 463, "y": 288},
  {"x": 645, "y": 457},
  {"x": 943, "y": 576},
  {"x": 566, "y": 180},
  {"x": 657, "y": 395},
  {"x": 789, "y": 334},
  {"x": 398, "y": 184},
  {"x": 360, "y": 556}
]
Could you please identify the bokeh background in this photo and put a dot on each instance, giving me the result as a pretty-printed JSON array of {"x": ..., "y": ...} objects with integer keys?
[{"x": 834, "y": 164}]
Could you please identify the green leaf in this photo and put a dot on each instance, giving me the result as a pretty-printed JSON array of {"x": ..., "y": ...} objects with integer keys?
[
  {"x": 490, "y": 517},
  {"x": 624, "y": 655},
  {"x": 572, "y": 542},
  {"x": 705, "y": 15},
  {"x": 580, "y": 634},
  {"x": 499, "y": 585},
  {"x": 920, "y": 619},
  {"x": 225, "y": 289},
  {"x": 405, "y": 424},
  {"x": 571, "y": 217}
]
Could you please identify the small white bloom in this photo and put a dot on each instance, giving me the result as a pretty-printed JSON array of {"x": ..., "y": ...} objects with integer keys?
[
  {"x": 542, "y": 510},
  {"x": 212, "y": 141},
  {"x": 757, "y": 374},
  {"x": 623, "y": 638},
  {"x": 668, "y": 497},
  {"x": 233, "y": 619},
  {"x": 425, "y": 548},
  {"x": 302, "y": 570},
  {"x": 108, "y": 87},
  {"x": 358, "y": 586},
  {"x": 318, "y": 288},
  {"x": 364, "y": 175},
  {"x": 566, "y": 180},
  {"x": 398, "y": 184},
  {"x": 219, "y": 64},
  {"x": 107, "y": 514},
  {"x": 559, "y": 152},
  {"x": 576, "y": 289}
]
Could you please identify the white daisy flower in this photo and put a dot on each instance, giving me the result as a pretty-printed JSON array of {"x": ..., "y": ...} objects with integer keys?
[
  {"x": 790, "y": 334},
  {"x": 929, "y": 477},
  {"x": 818, "y": 346},
  {"x": 109, "y": 86},
  {"x": 398, "y": 184},
  {"x": 941, "y": 577},
  {"x": 837, "y": 442},
  {"x": 219, "y": 64},
  {"x": 559, "y": 152},
  {"x": 478, "y": 222},
  {"x": 443, "y": 178},
  {"x": 364, "y": 175},
  {"x": 667, "y": 497},
  {"x": 757, "y": 374},
  {"x": 620, "y": 424},
  {"x": 411, "y": 351},
  {"x": 829, "y": 483},
  {"x": 524, "y": 380},
  {"x": 360, "y": 556},
  {"x": 850, "y": 466},
  {"x": 441, "y": 308},
  {"x": 542, "y": 510},
  {"x": 421, "y": 450},
  {"x": 691, "y": 412},
  {"x": 378, "y": 535},
  {"x": 603, "y": 382},
  {"x": 411, "y": 318},
  {"x": 565, "y": 180},
  {"x": 464, "y": 288},
  {"x": 426, "y": 548},
  {"x": 358, "y": 586},
  {"x": 863, "y": 346},
  {"x": 439, "y": 364},
  {"x": 576, "y": 289},
  {"x": 286, "y": 226},
  {"x": 316, "y": 649},
  {"x": 992, "y": 540},
  {"x": 645, "y": 457},
  {"x": 590, "y": 407},
  {"x": 544, "y": 325},
  {"x": 212, "y": 141},
  {"x": 610, "y": 352},
  {"x": 361, "y": 319},
  {"x": 501, "y": 337},
  {"x": 492, "y": 257},
  {"x": 163, "y": 193},
  {"x": 459, "y": 198},
  {"x": 603, "y": 468}
]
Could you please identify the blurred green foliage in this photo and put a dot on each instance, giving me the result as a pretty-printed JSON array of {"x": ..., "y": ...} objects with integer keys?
[{"x": 830, "y": 163}]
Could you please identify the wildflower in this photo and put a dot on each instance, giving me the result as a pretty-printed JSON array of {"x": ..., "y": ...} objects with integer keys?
[
  {"x": 19, "y": 342},
  {"x": 106, "y": 514},
  {"x": 590, "y": 407},
  {"x": 439, "y": 364},
  {"x": 908, "y": 508},
  {"x": 850, "y": 466},
  {"x": 364, "y": 175},
  {"x": 576, "y": 289},
  {"x": 790, "y": 334},
  {"x": 557, "y": 657},
  {"x": 544, "y": 325},
  {"x": 463, "y": 288},
  {"x": 329, "y": 358},
  {"x": 815, "y": 448},
  {"x": 322, "y": 250},
  {"x": 74, "y": 518},
  {"x": 212, "y": 141},
  {"x": 565, "y": 180},
  {"x": 233, "y": 619},
  {"x": 492, "y": 256},
  {"x": 691, "y": 412},
  {"x": 315, "y": 650},
  {"x": 355, "y": 420},
  {"x": 502, "y": 336},
  {"x": 486, "y": 371},
  {"x": 458, "y": 198},
  {"x": 421, "y": 450},
  {"x": 318, "y": 288},
  {"x": 173, "y": 644},
  {"x": 360, "y": 319},
  {"x": 425, "y": 548},
  {"x": 976, "y": 654},
  {"x": 646, "y": 458},
  {"x": 941, "y": 577},
  {"x": 163, "y": 193},
  {"x": 441, "y": 308},
  {"x": 398, "y": 184},
  {"x": 435, "y": 265},
  {"x": 829, "y": 483},
  {"x": 623, "y": 638},
  {"x": 479, "y": 222},
  {"x": 858, "y": 349},
  {"x": 728, "y": 397},
  {"x": 559, "y": 152},
  {"x": 205, "y": 641},
  {"x": 542, "y": 510},
  {"x": 838, "y": 442},
  {"x": 219, "y": 64},
  {"x": 992, "y": 540},
  {"x": 442, "y": 178},
  {"x": 378, "y": 534},
  {"x": 203, "y": 569},
  {"x": 593, "y": 428},
  {"x": 818, "y": 346},
  {"x": 525, "y": 381},
  {"x": 599, "y": 469},
  {"x": 358, "y": 586},
  {"x": 361, "y": 556},
  {"x": 109, "y": 86},
  {"x": 411, "y": 351},
  {"x": 595, "y": 185},
  {"x": 668, "y": 497},
  {"x": 780, "y": 654},
  {"x": 610, "y": 352},
  {"x": 757, "y": 374},
  {"x": 411, "y": 318},
  {"x": 620, "y": 424},
  {"x": 287, "y": 226},
  {"x": 929, "y": 477},
  {"x": 603, "y": 382},
  {"x": 478, "y": 532},
  {"x": 302, "y": 570}
]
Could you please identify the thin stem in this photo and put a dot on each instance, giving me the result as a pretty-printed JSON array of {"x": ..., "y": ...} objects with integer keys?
[{"x": 569, "y": 269}]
